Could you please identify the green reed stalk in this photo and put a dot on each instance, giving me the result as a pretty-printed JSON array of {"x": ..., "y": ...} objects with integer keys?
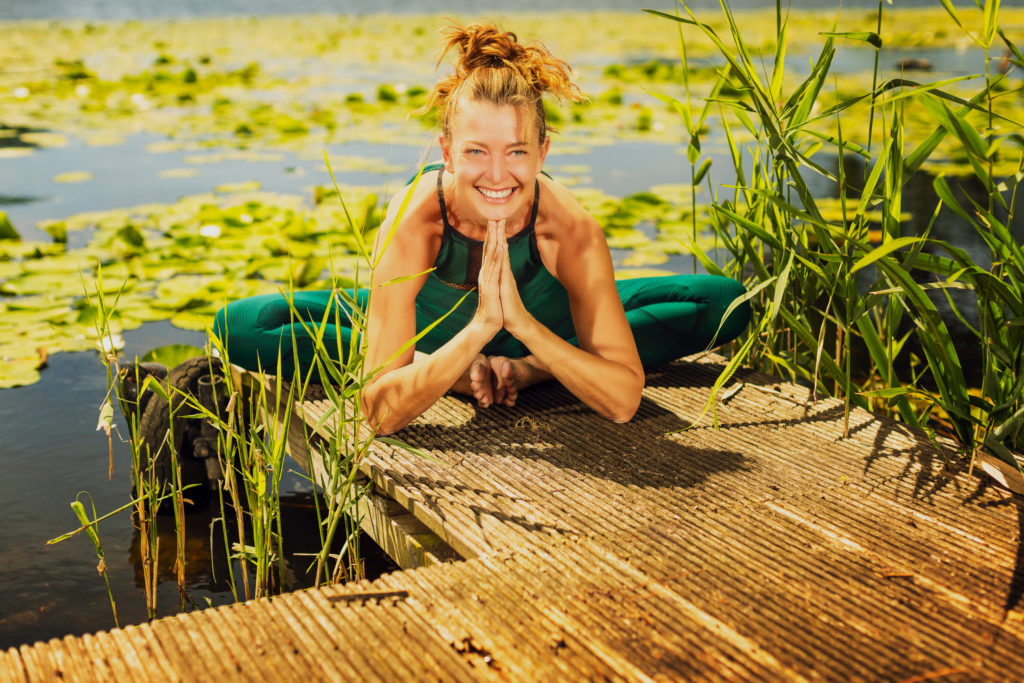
[{"x": 92, "y": 530}]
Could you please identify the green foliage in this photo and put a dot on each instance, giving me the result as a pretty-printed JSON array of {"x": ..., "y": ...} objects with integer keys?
[
  {"x": 7, "y": 230},
  {"x": 824, "y": 293},
  {"x": 171, "y": 355}
]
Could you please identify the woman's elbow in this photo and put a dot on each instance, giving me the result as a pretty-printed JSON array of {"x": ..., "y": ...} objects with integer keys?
[
  {"x": 383, "y": 425},
  {"x": 625, "y": 409},
  {"x": 377, "y": 416}
]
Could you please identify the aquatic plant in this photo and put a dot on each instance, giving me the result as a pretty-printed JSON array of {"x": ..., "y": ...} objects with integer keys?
[
  {"x": 208, "y": 411},
  {"x": 836, "y": 311}
]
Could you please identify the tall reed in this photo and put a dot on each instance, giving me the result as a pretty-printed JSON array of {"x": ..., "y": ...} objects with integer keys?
[
  {"x": 247, "y": 418},
  {"x": 834, "y": 310}
]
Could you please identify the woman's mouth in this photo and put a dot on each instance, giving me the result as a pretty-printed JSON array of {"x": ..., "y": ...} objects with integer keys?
[{"x": 496, "y": 195}]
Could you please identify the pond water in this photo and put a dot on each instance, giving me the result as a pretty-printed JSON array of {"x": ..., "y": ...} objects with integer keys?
[
  {"x": 50, "y": 450},
  {"x": 141, "y": 9}
]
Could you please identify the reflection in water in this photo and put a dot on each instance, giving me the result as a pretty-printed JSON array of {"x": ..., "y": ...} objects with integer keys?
[
  {"x": 207, "y": 573},
  {"x": 10, "y": 139}
]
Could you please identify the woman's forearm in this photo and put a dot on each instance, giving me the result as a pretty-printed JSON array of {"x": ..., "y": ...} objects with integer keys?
[
  {"x": 611, "y": 388},
  {"x": 397, "y": 397}
]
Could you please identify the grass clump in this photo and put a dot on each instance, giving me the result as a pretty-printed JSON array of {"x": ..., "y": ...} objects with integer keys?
[
  {"x": 855, "y": 317},
  {"x": 237, "y": 428}
]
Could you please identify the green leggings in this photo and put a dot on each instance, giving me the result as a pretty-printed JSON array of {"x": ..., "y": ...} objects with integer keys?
[{"x": 671, "y": 316}]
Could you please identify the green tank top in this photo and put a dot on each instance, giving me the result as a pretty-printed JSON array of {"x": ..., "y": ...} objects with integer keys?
[{"x": 455, "y": 275}]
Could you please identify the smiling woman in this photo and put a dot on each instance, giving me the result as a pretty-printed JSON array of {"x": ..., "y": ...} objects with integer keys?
[{"x": 516, "y": 271}]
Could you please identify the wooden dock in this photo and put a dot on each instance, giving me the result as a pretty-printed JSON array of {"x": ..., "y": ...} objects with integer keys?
[{"x": 559, "y": 546}]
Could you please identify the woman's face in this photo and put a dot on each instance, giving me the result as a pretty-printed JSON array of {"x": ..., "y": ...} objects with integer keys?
[{"x": 494, "y": 156}]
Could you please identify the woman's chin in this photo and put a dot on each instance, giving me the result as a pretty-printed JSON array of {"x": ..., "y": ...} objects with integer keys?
[{"x": 493, "y": 211}]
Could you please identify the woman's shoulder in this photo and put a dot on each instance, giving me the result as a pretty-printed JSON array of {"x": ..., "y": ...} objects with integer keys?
[
  {"x": 561, "y": 218},
  {"x": 416, "y": 204},
  {"x": 412, "y": 223}
]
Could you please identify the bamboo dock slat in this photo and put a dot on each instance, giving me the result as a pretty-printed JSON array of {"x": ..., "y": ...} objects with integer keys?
[{"x": 549, "y": 544}]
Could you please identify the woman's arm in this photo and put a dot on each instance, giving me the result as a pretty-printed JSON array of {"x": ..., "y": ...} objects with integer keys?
[
  {"x": 405, "y": 388},
  {"x": 605, "y": 371}
]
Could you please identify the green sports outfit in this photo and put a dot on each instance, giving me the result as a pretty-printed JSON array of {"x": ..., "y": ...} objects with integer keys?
[{"x": 670, "y": 316}]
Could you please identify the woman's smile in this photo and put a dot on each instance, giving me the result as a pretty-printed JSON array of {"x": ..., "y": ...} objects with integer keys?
[{"x": 496, "y": 196}]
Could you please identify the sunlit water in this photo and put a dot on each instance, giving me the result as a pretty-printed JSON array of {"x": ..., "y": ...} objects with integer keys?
[{"x": 143, "y": 9}]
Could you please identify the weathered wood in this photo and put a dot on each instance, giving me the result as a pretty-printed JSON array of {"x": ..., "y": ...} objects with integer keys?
[
  {"x": 771, "y": 548},
  {"x": 400, "y": 534}
]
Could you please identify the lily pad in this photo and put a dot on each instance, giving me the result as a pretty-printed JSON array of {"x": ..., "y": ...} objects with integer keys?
[
  {"x": 73, "y": 177},
  {"x": 179, "y": 173},
  {"x": 18, "y": 372},
  {"x": 645, "y": 257},
  {"x": 15, "y": 152},
  {"x": 232, "y": 188},
  {"x": 172, "y": 354},
  {"x": 188, "y": 320},
  {"x": 629, "y": 273},
  {"x": 7, "y": 231},
  {"x": 43, "y": 139}
]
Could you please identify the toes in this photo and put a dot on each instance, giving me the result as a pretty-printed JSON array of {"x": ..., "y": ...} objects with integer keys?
[
  {"x": 506, "y": 389},
  {"x": 480, "y": 381}
]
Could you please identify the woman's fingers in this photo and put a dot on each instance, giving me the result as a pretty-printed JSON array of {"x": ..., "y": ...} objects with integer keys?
[
  {"x": 489, "y": 279},
  {"x": 512, "y": 308}
]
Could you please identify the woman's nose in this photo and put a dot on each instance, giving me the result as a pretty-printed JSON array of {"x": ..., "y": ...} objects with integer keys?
[{"x": 496, "y": 169}]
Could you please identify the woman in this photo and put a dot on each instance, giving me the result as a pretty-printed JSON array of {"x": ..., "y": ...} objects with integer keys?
[{"x": 542, "y": 299}]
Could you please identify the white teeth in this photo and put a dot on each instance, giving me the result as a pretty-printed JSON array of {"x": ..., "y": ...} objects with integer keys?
[{"x": 495, "y": 195}]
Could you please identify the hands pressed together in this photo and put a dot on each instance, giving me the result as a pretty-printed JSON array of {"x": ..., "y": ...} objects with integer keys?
[
  {"x": 499, "y": 305},
  {"x": 496, "y": 379}
]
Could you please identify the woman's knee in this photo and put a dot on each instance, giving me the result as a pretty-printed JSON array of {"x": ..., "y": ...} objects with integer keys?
[
  {"x": 733, "y": 325},
  {"x": 243, "y": 326}
]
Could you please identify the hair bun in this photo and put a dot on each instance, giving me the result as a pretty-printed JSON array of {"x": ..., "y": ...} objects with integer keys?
[{"x": 493, "y": 65}]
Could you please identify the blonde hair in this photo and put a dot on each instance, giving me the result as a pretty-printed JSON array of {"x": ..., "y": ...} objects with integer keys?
[{"x": 493, "y": 66}]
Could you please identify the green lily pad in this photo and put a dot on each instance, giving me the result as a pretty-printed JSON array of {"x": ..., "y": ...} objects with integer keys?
[
  {"x": 73, "y": 177},
  {"x": 188, "y": 320},
  {"x": 164, "y": 147},
  {"x": 105, "y": 139},
  {"x": 58, "y": 230},
  {"x": 7, "y": 231},
  {"x": 629, "y": 273},
  {"x": 645, "y": 257},
  {"x": 231, "y": 188},
  {"x": 18, "y": 372},
  {"x": 43, "y": 139},
  {"x": 172, "y": 354},
  {"x": 14, "y": 250}
]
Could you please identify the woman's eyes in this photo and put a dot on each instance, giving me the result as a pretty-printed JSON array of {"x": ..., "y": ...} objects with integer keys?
[{"x": 480, "y": 152}]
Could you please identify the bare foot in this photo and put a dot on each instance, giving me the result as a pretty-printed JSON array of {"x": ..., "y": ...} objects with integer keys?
[
  {"x": 480, "y": 381},
  {"x": 498, "y": 379},
  {"x": 506, "y": 379},
  {"x": 513, "y": 374}
]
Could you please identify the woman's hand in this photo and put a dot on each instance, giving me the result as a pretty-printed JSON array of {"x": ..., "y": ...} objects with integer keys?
[
  {"x": 489, "y": 310},
  {"x": 514, "y": 313}
]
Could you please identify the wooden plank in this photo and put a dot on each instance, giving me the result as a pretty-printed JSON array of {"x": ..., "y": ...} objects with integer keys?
[
  {"x": 12, "y": 666},
  {"x": 403, "y": 537}
]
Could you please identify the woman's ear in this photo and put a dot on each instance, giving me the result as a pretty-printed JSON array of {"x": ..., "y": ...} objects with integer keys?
[
  {"x": 544, "y": 147},
  {"x": 446, "y": 151}
]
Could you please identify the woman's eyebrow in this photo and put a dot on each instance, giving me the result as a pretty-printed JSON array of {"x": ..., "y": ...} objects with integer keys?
[{"x": 476, "y": 143}]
